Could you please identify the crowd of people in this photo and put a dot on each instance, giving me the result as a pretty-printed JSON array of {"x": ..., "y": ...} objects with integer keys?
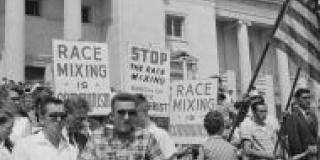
[{"x": 35, "y": 125}]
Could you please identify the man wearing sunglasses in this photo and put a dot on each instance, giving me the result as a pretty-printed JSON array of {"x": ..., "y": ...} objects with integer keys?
[
  {"x": 126, "y": 142},
  {"x": 302, "y": 126},
  {"x": 47, "y": 144}
]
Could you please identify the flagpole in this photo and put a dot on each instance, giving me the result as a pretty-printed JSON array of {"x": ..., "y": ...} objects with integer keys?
[
  {"x": 267, "y": 46},
  {"x": 259, "y": 65},
  {"x": 280, "y": 140}
]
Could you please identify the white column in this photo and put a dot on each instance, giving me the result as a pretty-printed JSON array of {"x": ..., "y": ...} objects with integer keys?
[
  {"x": 284, "y": 77},
  {"x": 207, "y": 53},
  {"x": 185, "y": 69},
  {"x": 14, "y": 44},
  {"x": 244, "y": 55},
  {"x": 72, "y": 20}
]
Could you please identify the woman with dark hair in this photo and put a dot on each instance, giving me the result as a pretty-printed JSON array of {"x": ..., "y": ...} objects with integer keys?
[
  {"x": 77, "y": 130},
  {"x": 6, "y": 123},
  {"x": 215, "y": 147}
]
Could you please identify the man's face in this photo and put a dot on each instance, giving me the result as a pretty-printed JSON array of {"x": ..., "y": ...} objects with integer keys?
[
  {"x": 261, "y": 113},
  {"x": 54, "y": 118},
  {"x": 305, "y": 101},
  {"x": 125, "y": 113}
]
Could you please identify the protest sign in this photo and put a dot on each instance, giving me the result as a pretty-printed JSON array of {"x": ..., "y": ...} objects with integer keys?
[
  {"x": 190, "y": 101},
  {"x": 82, "y": 69},
  {"x": 148, "y": 72}
]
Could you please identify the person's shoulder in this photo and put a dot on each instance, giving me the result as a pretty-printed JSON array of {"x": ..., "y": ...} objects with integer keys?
[{"x": 217, "y": 141}]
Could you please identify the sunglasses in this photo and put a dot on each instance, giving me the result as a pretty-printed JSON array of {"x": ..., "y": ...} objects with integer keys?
[
  {"x": 123, "y": 112},
  {"x": 55, "y": 115}
]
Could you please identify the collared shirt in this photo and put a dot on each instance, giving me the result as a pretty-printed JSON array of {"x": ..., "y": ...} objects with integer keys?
[
  {"x": 37, "y": 147},
  {"x": 4, "y": 152},
  {"x": 215, "y": 147},
  {"x": 142, "y": 146},
  {"x": 263, "y": 138},
  {"x": 165, "y": 142}
]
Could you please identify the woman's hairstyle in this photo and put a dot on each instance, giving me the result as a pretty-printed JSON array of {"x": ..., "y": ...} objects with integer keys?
[
  {"x": 76, "y": 103},
  {"x": 213, "y": 122}
]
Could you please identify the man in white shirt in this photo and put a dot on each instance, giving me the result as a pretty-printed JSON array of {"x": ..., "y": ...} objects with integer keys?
[
  {"x": 257, "y": 134},
  {"x": 167, "y": 145},
  {"x": 48, "y": 144}
]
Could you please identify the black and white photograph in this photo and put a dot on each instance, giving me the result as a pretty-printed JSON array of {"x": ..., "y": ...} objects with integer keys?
[{"x": 159, "y": 79}]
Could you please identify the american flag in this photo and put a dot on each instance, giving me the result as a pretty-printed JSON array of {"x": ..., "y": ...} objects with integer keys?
[{"x": 298, "y": 35}]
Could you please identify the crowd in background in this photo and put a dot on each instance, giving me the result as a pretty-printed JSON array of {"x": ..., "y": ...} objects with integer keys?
[{"x": 36, "y": 125}]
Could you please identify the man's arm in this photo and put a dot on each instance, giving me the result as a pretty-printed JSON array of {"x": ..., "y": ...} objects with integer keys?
[
  {"x": 153, "y": 151},
  {"x": 256, "y": 153},
  {"x": 166, "y": 145}
]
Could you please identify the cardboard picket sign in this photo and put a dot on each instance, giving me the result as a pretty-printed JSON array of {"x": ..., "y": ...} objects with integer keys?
[
  {"x": 148, "y": 72},
  {"x": 190, "y": 101},
  {"x": 82, "y": 69}
]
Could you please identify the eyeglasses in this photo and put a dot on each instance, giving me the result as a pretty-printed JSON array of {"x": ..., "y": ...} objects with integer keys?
[
  {"x": 55, "y": 115},
  {"x": 129, "y": 112}
]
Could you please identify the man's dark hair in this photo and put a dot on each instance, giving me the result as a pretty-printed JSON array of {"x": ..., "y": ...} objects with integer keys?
[
  {"x": 221, "y": 96},
  {"x": 142, "y": 99},
  {"x": 255, "y": 101},
  {"x": 213, "y": 122},
  {"x": 123, "y": 97},
  {"x": 48, "y": 100},
  {"x": 301, "y": 91},
  {"x": 76, "y": 103},
  {"x": 5, "y": 116}
]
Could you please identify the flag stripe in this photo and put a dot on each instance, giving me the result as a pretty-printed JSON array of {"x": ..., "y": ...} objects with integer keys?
[
  {"x": 305, "y": 12},
  {"x": 298, "y": 36},
  {"x": 314, "y": 73},
  {"x": 306, "y": 23},
  {"x": 315, "y": 51},
  {"x": 299, "y": 50},
  {"x": 310, "y": 4},
  {"x": 302, "y": 31}
]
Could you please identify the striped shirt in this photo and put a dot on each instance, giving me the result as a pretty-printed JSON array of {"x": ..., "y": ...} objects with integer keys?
[{"x": 263, "y": 138}]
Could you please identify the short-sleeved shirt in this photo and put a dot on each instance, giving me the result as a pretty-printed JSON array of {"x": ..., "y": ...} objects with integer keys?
[
  {"x": 263, "y": 138},
  {"x": 215, "y": 147},
  {"x": 141, "y": 146}
]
